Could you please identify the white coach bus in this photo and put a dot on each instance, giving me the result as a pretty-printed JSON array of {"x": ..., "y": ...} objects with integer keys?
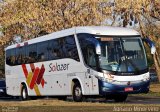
[{"x": 82, "y": 61}]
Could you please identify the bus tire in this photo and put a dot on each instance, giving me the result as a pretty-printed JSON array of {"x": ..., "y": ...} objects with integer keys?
[
  {"x": 77, "y": 92},
  {"x": 24, "y": 93},
  {"x": 120, "y": 98}
]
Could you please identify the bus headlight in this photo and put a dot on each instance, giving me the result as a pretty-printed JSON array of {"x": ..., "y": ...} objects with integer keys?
[{"x": 104, "y": 79}]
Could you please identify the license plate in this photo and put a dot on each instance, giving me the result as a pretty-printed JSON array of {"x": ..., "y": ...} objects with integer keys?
[{"x": 128, "y": 89}]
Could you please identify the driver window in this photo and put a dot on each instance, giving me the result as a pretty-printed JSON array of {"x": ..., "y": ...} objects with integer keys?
[
  {"x": 88, "y": 49},
  {"x": 91, "y": 57}
]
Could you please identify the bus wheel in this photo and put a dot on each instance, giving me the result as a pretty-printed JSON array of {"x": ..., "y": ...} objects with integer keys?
[
  {"x": 24, "y": 93},
  {"x": 120, "y": 98},
  {"x": 77, "y": 93}
]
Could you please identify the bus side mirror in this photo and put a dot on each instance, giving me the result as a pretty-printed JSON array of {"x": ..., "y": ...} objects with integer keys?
[
  {"x": 96, "y": 45},
  {"x": 98, "y": 49},
  {"x": 151, "y": 45},
  {"x": 153, "y": 50}
]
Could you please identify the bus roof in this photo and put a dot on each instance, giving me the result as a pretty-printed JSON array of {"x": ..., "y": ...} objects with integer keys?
[
  {"x": 97, "y": 30},
  {"x": 106, "y": 30}
]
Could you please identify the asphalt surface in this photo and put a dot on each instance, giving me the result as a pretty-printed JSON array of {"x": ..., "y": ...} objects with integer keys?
[
  {"x": 143, "y": 100},
  {"x": 130, "y": 100}
]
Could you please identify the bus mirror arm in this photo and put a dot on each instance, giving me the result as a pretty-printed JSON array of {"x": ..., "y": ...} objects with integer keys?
[{"x": 151, "y": 44}]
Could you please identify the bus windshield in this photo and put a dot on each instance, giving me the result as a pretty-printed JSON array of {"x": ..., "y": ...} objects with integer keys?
[{"x": 122, "y": 54}]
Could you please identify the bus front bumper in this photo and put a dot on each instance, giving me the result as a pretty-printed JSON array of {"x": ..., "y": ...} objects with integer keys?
[{"x": 108, "y": 88}]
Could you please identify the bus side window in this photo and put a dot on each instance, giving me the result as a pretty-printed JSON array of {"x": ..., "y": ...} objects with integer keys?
[
  {"x": 88, "y": 50},
  {"x": 20, "y": 54},
  {"x": 8, "y": 57},
  {"x": 54, "y": 50},
  {"x": 11, "y": 57},
  {"x": 91, "y": 54},
  {"x": 31, "y": 55},
  {"x": 62, "y": 49},
  {"x": 71, "y": 48},
  {"x": 42, "y": 51}
]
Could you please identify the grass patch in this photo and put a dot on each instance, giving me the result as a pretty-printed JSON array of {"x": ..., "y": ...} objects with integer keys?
[
  {"x": 155, "y": 87},
  {"x": 108, "y": 108}
]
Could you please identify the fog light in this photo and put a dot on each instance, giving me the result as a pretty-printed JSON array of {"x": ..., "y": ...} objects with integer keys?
[{"x": 1, "y": 90}]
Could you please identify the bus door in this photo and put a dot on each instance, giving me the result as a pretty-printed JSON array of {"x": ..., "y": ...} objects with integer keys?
[
  {"x": 92, "y": 63},
  {"x": 88, "y": 46}
]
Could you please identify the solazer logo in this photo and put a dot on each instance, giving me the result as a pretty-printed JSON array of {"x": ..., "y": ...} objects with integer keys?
[
  {"x": 58, "y": 67},
  {"x": 34, "y": 77}
]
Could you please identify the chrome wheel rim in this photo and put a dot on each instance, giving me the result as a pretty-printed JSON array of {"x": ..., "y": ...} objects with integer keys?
[
  {"x": 24, "y": 94},
  {"x": 78, "y": 91}
]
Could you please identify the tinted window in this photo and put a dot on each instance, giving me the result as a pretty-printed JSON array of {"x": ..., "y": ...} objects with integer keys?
[
  {"x": 11, "y": 57},
  {"x": 71, "y": 48},
  {"x": 87, "y": 43},
  {"x": 20, "y": 55},
  {"x": 8, "y": 57},
  {"x": 55, "y": 50},
  {"x": 31, "y": 53},
  {"x": 42, "y": 50},
  {"x": 48, "y": 50}
]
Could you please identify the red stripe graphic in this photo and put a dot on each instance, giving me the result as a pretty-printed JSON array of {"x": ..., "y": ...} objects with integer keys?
[
  {"x": 37, "y": 77},
  {"x": 42, "y": 82},
  {"x": 25, "y": 70},
  {"x": 40, "y": 76},
  {"x": 34, "y": 78},
  {"x": 32, "y": 67}
]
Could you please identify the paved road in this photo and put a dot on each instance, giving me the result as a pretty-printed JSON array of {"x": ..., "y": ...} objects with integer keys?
[
  {"x": 130, "y": 100},
  {"x": 143, "y": 100}
]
